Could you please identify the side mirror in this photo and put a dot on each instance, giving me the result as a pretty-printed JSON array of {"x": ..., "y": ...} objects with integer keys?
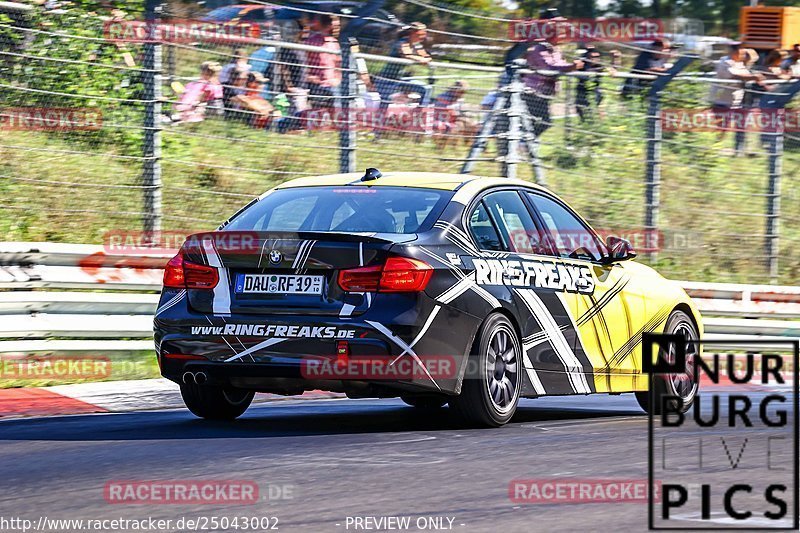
[{"x": 620, "y": 249}]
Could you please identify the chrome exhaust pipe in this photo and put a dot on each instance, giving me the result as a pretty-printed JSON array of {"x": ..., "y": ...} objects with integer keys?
[
  {"x": 200, "y": 378},
  {"x": 188, "y": 378}
]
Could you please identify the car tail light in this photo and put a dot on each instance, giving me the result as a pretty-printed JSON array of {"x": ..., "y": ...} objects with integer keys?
[
  {"x": 398, "y": 274},
  {"x": 402, "y": 274},
  {"x": 366, "y": 279},
  {"x": 182, "y": 274}
]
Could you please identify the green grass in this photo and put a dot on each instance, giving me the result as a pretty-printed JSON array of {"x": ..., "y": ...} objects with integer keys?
[{"x": 137, "y": 365}]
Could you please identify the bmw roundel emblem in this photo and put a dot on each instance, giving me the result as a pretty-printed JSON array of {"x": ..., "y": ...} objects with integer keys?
[{"x": 275, "y": 257}]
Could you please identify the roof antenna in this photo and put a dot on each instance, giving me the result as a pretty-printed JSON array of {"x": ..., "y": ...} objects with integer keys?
[{"x": 371, "y": 174}]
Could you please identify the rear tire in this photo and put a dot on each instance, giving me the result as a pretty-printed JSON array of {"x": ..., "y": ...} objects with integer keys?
[
  {"x": 216, "y": 403},
  {"x": 425, "y": 402},
  {"x": 683, "y": 385},
  {"x": 491, "y": 387}
]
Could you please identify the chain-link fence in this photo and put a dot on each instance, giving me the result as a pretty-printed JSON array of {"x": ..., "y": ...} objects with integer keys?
[{"x": 113, "y": 124}]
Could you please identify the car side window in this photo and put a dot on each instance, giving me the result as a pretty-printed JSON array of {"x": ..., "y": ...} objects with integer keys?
[
  {"x": 571, "y": 237},
  {"x": 483, "y": 231},
  {"x": 515, "y": 222}
]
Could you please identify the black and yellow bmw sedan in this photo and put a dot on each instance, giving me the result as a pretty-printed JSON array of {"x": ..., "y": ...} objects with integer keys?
[{"x": 437, "y": 288}]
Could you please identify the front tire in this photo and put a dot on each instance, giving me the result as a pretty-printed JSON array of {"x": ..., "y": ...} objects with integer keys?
[
  {"x": 491, "y": 387},
  {"x": 683, "y": 385},
  {"x": 216, "y": 403}
]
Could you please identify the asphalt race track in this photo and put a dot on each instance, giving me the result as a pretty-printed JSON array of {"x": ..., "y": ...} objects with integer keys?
[{"x": 340, "y": 457}]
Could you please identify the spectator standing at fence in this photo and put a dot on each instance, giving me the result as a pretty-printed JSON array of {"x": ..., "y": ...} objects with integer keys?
[
  {"x": 730, "y": 68},
  {"x": 653, "y": 60},
  {"x": 728, "y": 95},
  {"x": 792, "y": 63},
  {"x": 545, "y": 55},
  {"x": 772, "y": 68},
  {"x": 589, "y": 92},
  {"x": 752, "y": 89},
  {"x": 410, "y": 44},
  {"x": 324, "y": 74}
]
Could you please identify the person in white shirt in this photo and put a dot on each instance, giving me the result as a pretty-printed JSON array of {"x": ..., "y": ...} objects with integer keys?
[
  {"x": 728, "y": 95},
  {"x": 792, "y": 63}
]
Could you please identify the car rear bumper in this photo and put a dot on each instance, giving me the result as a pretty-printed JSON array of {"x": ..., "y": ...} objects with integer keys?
[
  {"x": 283, "y": 378},
  {"x": 389, "y": 348}
]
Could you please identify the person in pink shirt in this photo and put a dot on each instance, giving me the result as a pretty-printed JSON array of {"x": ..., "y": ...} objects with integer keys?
[
  {"x": 324, "y": 74},
  {"x": 199, "y": 95},
  {"x": 545, "y": 55}
]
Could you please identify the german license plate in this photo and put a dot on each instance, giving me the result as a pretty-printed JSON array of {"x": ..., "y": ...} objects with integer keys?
[{"x": 278, "y": 284}]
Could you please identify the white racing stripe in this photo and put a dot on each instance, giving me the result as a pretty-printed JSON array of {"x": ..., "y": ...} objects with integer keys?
[
  {"x": 406, "y": 348},
  {"x": 302, "y": 254},
  {"x": 532, "y": 374},
  {"x": 421, "y": 333},
  {"x": 261, "y": 253},
  {"x": 222, "y": 294},
  {"x": 172, "y": 301},
  {"x": 457, "y": 237},
  {"x": 347, "y": 309},
  {"x": 468, "y": 279},
  {"x": 455, "y": 291},
  {"x": 572, "y": 365},
  {"x": 265, "y": 344}
]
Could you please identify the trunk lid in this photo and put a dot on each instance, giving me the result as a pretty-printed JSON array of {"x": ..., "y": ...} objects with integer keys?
[{"x": 285, "y": 273}]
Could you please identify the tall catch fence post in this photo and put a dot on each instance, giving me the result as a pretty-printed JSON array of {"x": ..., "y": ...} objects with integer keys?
[
  {"x": 347, "y": 92},
  {"x": 653, "y": 152},
  {"x": 775, "y": 146},
  {"x": 348, "y": 88},
  {"x": 151, "y": 171}
]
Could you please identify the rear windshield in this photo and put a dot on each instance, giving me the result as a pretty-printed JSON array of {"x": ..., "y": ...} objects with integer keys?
[{"x": 345, "y": 209}]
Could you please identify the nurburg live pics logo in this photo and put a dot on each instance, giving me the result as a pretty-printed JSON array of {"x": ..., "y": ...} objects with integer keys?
[{"x": 730, "y": 462}]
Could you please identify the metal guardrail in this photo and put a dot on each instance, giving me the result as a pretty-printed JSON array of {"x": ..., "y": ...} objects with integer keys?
[{"x": 57, "y": 294}]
